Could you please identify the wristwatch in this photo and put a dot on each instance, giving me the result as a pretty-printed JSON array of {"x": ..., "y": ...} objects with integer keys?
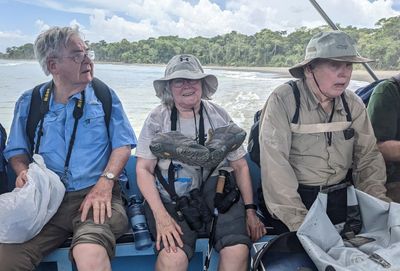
[
  {"x": 109, "y": 175},
  {"x": 250, "y": 206}
]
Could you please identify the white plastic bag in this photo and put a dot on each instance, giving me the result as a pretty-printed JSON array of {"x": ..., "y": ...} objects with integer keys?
[
  {"x": 380, "y": 226},
  {"x": 24, "y": 211}
]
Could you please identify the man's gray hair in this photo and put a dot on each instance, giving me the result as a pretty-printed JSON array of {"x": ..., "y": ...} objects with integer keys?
[
  {"x": 168, "y": 100},
  {"x": 50, "y": 42}
]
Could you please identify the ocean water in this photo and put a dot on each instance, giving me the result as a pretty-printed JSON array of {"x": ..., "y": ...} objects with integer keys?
[{"x": 240, "y": 93}]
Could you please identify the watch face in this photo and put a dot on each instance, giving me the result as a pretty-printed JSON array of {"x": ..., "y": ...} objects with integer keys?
[{"x": 110, "y": 176}]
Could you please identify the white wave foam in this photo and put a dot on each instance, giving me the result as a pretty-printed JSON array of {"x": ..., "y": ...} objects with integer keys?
[{"x": 10, "y": 64}]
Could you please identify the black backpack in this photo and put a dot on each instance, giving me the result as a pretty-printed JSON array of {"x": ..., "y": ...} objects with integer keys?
[
  {"x": 283, "y": 252},
  {"x": 101, "y": 91},
  {"x": 366, "y": 91},
  {"x": 253, "y": 147}
]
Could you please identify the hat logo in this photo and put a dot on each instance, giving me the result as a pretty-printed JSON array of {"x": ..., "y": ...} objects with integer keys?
[
  {"x": 342, "y": 46},
  {"x": 184, "y": 59}
]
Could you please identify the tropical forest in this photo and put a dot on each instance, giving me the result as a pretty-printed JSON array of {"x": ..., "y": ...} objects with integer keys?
[{"x": 263, "y": 49}]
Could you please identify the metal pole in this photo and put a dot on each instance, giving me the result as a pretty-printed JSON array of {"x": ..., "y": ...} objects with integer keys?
[{"x": 334, "y": 27}]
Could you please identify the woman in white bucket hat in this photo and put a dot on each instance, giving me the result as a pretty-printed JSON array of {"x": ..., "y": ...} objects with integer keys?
[
  {"x": 175, "y": 148},
  {"x": 316, "y": 141}
]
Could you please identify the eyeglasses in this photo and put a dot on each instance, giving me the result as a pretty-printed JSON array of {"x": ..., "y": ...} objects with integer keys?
[
  {"x": 79, "y": 57},
  {"x": 179, "y": 82}
]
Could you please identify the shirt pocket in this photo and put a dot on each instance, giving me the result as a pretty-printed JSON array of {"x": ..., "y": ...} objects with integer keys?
[
  {"x": 53, "y": 129},
  {"x": 343, "y": 143},
  {"x": 94, "y": 124},
  {"x": 304, "y": 142},
  {"x": 94, "y": 116}
]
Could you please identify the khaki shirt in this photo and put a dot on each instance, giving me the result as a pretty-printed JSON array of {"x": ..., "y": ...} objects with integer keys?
[{"x": 299, "y": 153}]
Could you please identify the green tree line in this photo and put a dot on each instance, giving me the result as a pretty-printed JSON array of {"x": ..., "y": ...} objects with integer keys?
[{"x": 265, "y": 48}]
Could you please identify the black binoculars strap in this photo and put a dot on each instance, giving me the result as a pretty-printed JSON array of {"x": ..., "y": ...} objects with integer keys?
[
  {"x": 78, "y": 113},
  {"x": 200, "y": 136}
]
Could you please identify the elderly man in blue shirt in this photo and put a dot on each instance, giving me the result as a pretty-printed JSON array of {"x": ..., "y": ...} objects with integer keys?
[{"x": 92, "y": 210}]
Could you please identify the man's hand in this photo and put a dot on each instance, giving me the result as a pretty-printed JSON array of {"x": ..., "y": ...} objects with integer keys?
[
  {"x": 20, "y": 164},
  {"x": 99, "y": 198},
  {"x": 255, "y": 228},
  {"x": 21, "y": 179}
]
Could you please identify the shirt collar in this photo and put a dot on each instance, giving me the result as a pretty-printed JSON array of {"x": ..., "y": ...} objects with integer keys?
[{"x": 312, "y": 101}]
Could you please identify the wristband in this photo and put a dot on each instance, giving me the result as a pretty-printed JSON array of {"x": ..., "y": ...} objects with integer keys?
[{"x": 250, "y": 206}]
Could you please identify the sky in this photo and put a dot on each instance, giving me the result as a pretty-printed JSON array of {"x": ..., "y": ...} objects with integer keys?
[{"x": 113, "y": 20}]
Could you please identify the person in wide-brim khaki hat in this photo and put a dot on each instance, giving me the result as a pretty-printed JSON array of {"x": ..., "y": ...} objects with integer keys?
[
  {"x": 334, "y": 45},
  {"x": 186, "y": 66}
]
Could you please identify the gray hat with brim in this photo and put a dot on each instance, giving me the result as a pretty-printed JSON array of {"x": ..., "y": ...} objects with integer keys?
[
  {"x": 334, "y": 45},
  {"x": 187, "y": 67}
]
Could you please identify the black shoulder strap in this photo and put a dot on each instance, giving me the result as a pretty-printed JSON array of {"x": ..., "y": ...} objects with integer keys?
[
  {"x": 103, "y": 93},
  {"x": 34, "y": 115},
  {"x": 174, "y": 118},
  {"x": 296, "y": 93},
  {"x": 346, "y": 107}
]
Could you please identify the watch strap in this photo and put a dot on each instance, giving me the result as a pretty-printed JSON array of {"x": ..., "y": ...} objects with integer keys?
[{"x": 250, "y": 206}]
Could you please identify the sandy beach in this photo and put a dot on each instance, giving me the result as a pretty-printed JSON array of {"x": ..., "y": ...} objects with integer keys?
[{"x": 359, "y": 74}]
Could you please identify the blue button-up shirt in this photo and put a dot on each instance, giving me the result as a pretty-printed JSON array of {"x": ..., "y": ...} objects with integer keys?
[{"x": 92, "y": 147}]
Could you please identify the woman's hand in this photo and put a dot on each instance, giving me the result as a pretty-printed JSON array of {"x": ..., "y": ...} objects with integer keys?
[
  {"x": 255, "y": 228},
  {"x": 168, "y": 232}
]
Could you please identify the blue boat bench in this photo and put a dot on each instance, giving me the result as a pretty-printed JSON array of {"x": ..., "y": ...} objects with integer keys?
[{"x": 127, "y": 257}]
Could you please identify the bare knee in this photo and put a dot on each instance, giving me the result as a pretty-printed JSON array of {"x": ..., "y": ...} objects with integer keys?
[
  {"x": 172, "y": 260},
  {"x": 91, "y": 257},
  {"x": 234, "y": 258}
]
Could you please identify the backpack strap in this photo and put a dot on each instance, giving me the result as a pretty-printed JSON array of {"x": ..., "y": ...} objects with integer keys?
[
  {"x": 296, "y": 93},
  {"x": 103, "y": 93},
  {"x": 346, "y": 107},
  {"x": 34, "y": 115}
]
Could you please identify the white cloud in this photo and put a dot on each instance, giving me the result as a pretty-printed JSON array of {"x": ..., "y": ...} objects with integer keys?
[
  {"x": 15, "y": 38},
  {"x": 141, "y": 19},
  {"x": 41, "y": 26},
  {"x": 115, "y": 28},
  {"x": 146, "y": 18}
]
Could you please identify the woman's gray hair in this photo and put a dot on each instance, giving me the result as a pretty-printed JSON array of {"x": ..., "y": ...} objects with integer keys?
[
  {"x": 168, "y": 100},
  {"x": 50, "y": 42}
]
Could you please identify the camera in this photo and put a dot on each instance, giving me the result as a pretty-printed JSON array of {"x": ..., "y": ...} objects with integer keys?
[
  {"x": 194, "y": 210},
  {"x": 198, "y": 201}
]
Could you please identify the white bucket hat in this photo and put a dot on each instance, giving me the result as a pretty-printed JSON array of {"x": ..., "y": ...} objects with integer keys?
[
  {"x": 188, "y": 67},
  {"x": 333, "y": 45}
]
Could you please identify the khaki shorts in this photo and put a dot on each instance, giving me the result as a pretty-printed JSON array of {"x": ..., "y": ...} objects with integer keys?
[
  {"x": 230, "y": 230},
  {"x": 64, "y": 224}
]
